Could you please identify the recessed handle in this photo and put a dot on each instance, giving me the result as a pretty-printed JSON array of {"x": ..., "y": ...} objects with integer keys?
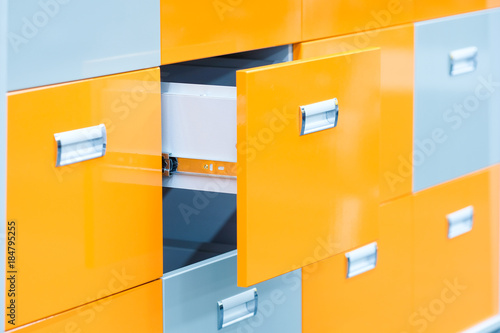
[
  {"x": 319, "y": 116},
  {"x": 463, "y": 61},
  {"x": 237, "y": 308},
  {"x": 80, "y": 145},
  {"x": 460, "y": 222},
  {"x": 361, "y": 260}
]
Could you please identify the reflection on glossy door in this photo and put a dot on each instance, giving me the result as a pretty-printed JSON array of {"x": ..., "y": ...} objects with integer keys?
[
  {"x": 456, "y": 274},
  {"x": 93, "y": 228},
  {"x": 301, "y": 194},
  {"x": 396, "y": 113},
  {"x": 132, "y": 311},
  {"x": 379, "y": 300}
]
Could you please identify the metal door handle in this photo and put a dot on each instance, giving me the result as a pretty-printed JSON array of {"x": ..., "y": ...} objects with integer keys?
[
  {"x": 237, "y": 308},
  {"x": 463, "y": 61},
  {"x": 80, "y": 145},
  {"x": 319, "y": 116},
  {"x": 361, "y": 260},
  {"x": 460, "y": 222}
]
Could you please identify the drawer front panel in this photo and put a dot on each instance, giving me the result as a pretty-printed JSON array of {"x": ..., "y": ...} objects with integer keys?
[
  {"x": 132, "y": 311},
  {"x": 79, "y": 226},
  {"x": 455, "y": 113},
  {"x": 220, "y": 27},
  {"x": 396, "y": 141},
  {"x": 191, "y": 297},
  {"x": 297, "y": 192},
  {"x": 456, "y": 274},
  {"x": 326, "y": 18},
  {"x": 427, "y": 9},
  {"x": 381, "y": 297},
  {"x": 53, "y": 41}
]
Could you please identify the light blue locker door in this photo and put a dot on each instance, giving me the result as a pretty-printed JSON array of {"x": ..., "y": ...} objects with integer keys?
[
  {"x": 455, "y": 117},
  {"x": 194, "y": 296},
  {"x": 53, "y": 41}
]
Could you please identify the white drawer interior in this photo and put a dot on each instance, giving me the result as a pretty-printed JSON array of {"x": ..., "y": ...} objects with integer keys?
[{"x": 199, "y": 112}]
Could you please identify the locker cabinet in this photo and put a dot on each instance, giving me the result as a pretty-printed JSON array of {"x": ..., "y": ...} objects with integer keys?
[
  {"x": 135, "y": 310},
  {"x": 377, "y": 300},
  {"x": 303, "y": 179},
  {"x": 396, "y": 110},
  {"x": 90, "y": 220},
  {"x": 204, "y": 298},
  {"x": 456, "y": 115},
  {"x": 456, "y": 253}
]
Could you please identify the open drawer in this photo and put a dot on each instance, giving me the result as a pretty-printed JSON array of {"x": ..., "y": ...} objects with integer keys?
[{"x": 305, "y": 136}]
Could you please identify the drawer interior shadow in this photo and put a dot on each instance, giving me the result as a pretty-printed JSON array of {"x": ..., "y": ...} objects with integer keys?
[
  {"x": 221, "y": 71},
  {"x": 197, "y": 226}
]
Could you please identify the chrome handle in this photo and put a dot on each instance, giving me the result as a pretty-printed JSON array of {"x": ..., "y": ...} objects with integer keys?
[
  {"x": 237, "y": 308},
  {"x": 460, "y": 222},
  {"x": 463, "y": 61},
  {"x": 361, "y": 260},
  {"x": 80, "y": 145},
  {"x": 319, "y": 116}
]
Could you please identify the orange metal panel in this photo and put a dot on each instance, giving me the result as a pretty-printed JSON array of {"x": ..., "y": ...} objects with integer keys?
[
  {"x": 456, "y": 280},
  {"x": 429, "y": 9},
  {"x": 379, "y": 300},
  {"x": 298, "y": 194},
  {"x": 132, "y": 311},
  {"x": 208, "y": 28},
  {"x": 327, "y": 18},
  {"x": 396, "y": 140},
  {"x": 493, "y": 3},
  {"x": 90, "y": 229}
]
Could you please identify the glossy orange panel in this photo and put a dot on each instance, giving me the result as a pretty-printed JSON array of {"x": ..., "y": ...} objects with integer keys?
[
  {"x": 493, "y": 3},
  {"x": 327, "y": 18},
  {"x": 132, "y": 311},
  {"x": 379, "y": 300},
  {"x": 429, "y": 9},
  {"x": 299, "y": 194},
  {"x": 93, "y": 228},
  {"x": 456, "y": 280},
  {"x": 194, "y": 30},
  {"x": 396, "y": 140}
]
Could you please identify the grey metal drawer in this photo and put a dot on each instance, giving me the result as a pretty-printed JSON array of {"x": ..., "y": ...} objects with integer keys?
[
  {"x": 456, "y": 120},
  {"x": 192, "y": 295}
]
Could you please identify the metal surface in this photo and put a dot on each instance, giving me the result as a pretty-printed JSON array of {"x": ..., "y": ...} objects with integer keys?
[
  {"x": 80, "y": 145},
  {"x": 463, "y": 61},
  {"x": 190, "y": 297},
  {"x": 206, "y": 167},
  {"x": 54, "y": 41},
  {"x": 361, "y": 260},
  {"x": 339, "y": 199},
  {"x": 460, "y": 222},
  {"x": 103, "y": 212},
  {"x": 456, "y": 125},
  {"x": 319, "y": 116},
  {"x": 237, "y": 308}
]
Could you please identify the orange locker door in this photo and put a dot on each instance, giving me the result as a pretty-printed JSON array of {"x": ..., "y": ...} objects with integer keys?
[
  {"x": 396, "y": 132},
  {"x": 195, "y": 30},
  {"x": 378, "y": 300},
  {"x": 74, "y": 228},
  {"x": 132, "y": 311},
  {"x": 327, "y": 18},
  {"x": 428, "y": 9},
  {"x": 308, "y": 142},
  {"x": 456, "y": 253}
]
